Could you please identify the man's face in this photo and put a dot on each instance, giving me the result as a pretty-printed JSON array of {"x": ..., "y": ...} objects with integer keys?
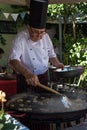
[{"x": 36, "y": 34}]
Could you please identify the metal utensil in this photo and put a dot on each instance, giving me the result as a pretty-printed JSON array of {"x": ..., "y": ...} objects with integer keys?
[{"x": 65, "y": 100}]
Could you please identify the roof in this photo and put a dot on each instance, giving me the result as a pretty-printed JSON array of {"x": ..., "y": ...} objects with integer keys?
[{"x": 26, "y": 2}]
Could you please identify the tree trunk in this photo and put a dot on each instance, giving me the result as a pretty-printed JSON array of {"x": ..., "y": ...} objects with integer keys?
[
  {"x": 64, "y": 29},
  {"x": 74, "y": 28}
]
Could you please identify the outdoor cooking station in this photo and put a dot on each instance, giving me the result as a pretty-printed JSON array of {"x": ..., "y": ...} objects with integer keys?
[{"x": 48, "y": 108}]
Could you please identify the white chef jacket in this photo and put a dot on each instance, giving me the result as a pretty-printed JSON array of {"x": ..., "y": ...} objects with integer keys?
[{"x": 34, "y": 55}]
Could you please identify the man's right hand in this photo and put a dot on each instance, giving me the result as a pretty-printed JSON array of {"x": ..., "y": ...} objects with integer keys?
[{"x": 32, "y": 79}]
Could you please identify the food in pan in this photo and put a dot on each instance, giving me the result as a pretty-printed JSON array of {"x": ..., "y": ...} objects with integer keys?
[
  {"x": 20, "y": 100},
  {"x": 28, "y": 101},
  {"x": 12, "y": 105},
  {"x": 21, "y": 104},
  {"x": 47, "y": 103},
  {"x": 29, "y": 109}
]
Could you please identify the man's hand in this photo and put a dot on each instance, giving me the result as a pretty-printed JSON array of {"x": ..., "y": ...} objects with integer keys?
[
  {"x": 32, "y": 79},
  {"x": 60, "y": 65}
]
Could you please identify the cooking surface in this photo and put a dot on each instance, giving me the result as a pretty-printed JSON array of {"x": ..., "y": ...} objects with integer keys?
[{"x": 48, "y": 103}]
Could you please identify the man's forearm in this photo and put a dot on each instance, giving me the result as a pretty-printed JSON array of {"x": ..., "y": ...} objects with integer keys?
[
  {"x": 54, "y": 61},
  {"x": 20, "y": 68}
]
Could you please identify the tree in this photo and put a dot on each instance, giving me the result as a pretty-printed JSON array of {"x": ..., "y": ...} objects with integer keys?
[{"x": 67, "y": 11}]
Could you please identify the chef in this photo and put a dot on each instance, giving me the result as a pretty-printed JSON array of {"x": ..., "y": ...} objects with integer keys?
[{"x": 32, "y": 50}]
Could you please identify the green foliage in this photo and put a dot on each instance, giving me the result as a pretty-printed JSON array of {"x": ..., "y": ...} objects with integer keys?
[
  {"x": 13, "y": 8},
  {"x": 7, "y": 123},
  {"x": 55, "y": 42},
  {"x": 82, "y": 7},
  {"x": 78, "y": 52},
  {"x": 75, "y": 52},
  {"x": 78, "y": 55},
  {"x": 56, "y": 10},
  {"x": 69, "y": 41},
  {"x": 17, "y": 9}
]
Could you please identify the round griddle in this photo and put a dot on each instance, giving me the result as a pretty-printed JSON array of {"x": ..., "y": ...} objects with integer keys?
[{"x": 47, "y": 106}]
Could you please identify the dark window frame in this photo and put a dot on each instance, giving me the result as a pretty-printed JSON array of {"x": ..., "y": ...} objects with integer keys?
[{"x": 8, "y": 27}]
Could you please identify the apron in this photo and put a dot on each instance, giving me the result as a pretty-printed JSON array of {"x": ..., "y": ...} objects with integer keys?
[{"x": 22, "y": 85}]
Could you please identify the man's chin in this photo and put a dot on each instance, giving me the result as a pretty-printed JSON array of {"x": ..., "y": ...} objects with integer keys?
[{"x": 35, "y": 40}]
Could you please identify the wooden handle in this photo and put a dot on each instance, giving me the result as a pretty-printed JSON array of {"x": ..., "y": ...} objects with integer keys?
[{"x": 49, "y": 89}]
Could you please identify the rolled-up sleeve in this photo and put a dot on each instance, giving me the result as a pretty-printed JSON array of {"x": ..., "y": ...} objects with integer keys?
[
  {"x": 50, "y": 47},
  {"x": 16, "y": 50}
]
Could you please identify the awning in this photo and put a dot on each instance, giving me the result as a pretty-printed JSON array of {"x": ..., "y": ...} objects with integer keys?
[{"x": 26, "y": 2}]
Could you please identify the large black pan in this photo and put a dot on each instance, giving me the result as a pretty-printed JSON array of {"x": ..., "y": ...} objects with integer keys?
[
  {"x": 68, "y": 72},
  {"x": 48, "y": 107}
]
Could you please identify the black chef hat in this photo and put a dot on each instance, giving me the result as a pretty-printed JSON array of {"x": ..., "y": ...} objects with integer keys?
[{"x": 38, "y": 13}]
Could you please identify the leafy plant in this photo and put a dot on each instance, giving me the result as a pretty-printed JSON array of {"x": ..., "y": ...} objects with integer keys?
[
  {"x": 55, "y": 42},
  {"x": 6, "y": 123},
  {"x": 78, "y": 55}
]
